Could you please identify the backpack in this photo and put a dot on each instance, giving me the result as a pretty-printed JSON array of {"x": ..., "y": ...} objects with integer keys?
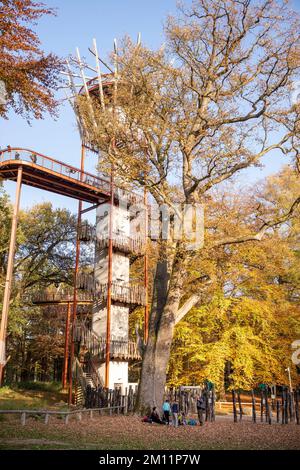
[{"x": 192, "y": 422}]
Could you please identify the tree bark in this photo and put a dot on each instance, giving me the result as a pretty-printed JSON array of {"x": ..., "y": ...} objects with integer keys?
[{"x": 166, "y": 299}]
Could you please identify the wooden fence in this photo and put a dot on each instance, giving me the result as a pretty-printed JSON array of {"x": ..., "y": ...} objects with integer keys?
[
  {"x": 66, "y": 415},
  {"x": 102, "y": 397},
  {"x": 282, "y": 408}
]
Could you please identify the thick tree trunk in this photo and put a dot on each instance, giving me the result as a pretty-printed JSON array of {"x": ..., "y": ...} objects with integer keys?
[{"x": 167, "y": 295}]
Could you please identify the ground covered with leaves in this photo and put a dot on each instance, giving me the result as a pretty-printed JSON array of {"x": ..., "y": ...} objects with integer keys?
[{"x": 128, "y": 432}]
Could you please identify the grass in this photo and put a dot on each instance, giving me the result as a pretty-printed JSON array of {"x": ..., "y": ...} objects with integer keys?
[
  {"x": 41, "y": 386},
  {"x": 33, "y": 395}
]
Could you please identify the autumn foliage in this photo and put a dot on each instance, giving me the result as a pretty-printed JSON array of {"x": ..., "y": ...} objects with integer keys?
[{"x": 29, "y": 75}]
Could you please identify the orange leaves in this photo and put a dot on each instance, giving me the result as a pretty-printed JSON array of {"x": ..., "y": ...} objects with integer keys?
[{"x": 30, "y": 76}]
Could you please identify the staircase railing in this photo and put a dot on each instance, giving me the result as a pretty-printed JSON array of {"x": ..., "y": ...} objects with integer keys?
[
  {"x": 94, "y": 374},
  {"x": 96, "y": 345},
  {"x": 79, "y": 374},
  {"x": 123, "y": 243},
  {"x": 57, "y": 296},
  {"x": 131, "y": 294}
]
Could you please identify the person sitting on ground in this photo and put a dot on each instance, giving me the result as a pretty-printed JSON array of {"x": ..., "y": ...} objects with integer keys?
[
  {"x": 175, "y": 411},
  {"x": 155, "y": 416},
  {"x": 166, "y": 411},
  {"x": 146, "y": 419}
]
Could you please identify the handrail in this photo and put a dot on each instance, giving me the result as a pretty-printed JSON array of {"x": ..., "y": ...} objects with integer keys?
[
  {"x": 96, "y": 345},
  {"x": 77, "y": 369},
  {"x": 129, "y": 244},
  {"x": 95, "y": 374},
  {"x": 120, "y": 292},
  {"x": 65, "y": 296},
  {"x": 67, "y": 170}
]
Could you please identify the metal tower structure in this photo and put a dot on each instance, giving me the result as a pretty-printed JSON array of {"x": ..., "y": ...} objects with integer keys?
[
  {"x": 107, "y": 296},
  {"x": 105, "y": 344}
]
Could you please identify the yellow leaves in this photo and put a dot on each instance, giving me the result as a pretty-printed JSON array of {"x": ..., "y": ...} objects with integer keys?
[{"x": 253, "y": 335}]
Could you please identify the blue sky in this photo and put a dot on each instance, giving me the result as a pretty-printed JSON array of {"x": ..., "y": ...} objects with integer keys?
[{"x": 76, "y": 23}]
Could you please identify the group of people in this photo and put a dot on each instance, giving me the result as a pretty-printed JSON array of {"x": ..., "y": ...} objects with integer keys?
[{"x": 171, "y": 413}]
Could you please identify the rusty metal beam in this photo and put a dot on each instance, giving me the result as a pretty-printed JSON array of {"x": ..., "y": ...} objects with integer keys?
[
  {"x": 66, "y": 349},
  {"x": 9, "y": 276},
  {"x": 88, "y": 209},
  {"x": 72, "y": 349}
]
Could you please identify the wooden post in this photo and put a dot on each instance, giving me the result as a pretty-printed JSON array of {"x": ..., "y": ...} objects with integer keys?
[
  {"x": 277, "y": 411},
  {"x": 72, "y": 348},
  {"x": 234, "y": 406},
  {"x": 262, "y": 406},
  {"x": 253, "y": 407},
  {"x": 268, "y": 411},
  {"x": 297, "y": 406},
  {"x": 213, "y": 401},
  {"x": 9, "y": 276},
  {"x": 286, "y": 416},
  {"x": 46, "y": 418},
  {"x": 282, "y": 407},
  {"x": 23, "y": 419},
  {"x": 240, "y": 406}
]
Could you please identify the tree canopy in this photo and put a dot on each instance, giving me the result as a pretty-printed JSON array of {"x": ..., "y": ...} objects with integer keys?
[{"x": 30, "y": 76}]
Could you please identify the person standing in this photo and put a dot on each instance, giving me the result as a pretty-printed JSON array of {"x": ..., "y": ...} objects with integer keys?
[
  {"x": 175, "y": 411},
  {"x": 166, "y": 411},
  {"x": 201, "y": 407}
]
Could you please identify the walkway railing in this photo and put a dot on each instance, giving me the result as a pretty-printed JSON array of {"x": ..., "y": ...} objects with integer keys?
[
  {"x": 123, "y": 243},
  {"x": 56, "y": 166},
  {"x": 130, "y": 294},
  {"x": 96, "y": 345},
  {"x": 54, "y": 296},
  {"x": 69, "y": 171},
  {"x": 124, "y": 293}
]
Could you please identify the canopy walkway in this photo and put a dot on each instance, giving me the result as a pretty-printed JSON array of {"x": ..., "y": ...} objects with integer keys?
[
  {"x": 53, "y": 175},
  {"x": 58, "y": 177}
]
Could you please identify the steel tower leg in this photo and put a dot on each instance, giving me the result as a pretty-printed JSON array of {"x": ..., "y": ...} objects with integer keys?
[
  {"x": 72, "y": 348},
  {"x": 9, "y": 276},
  {"x": 66, "y": 351}
]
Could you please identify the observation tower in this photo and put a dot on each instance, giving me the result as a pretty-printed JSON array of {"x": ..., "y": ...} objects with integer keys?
[{"x": 120, "y": 237}]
